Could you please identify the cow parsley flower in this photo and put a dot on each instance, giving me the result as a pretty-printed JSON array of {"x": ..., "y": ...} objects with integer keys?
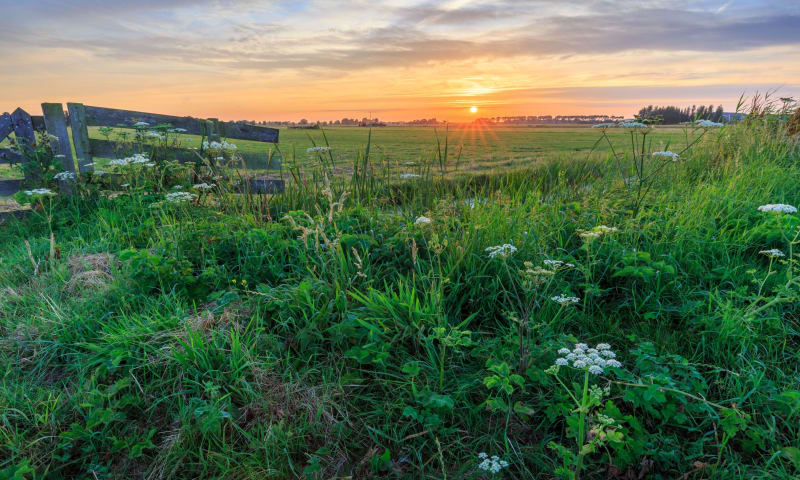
[
  {"x": 180, "y": 197},
  {"x": 155, "y": 135},
  {"x": 707, "y": 124},
  {"x": 318, "y": 149},
  {"x": 672, "y": 155},
  {"x": 502, "y": 251},
  {"x": 565, "y": 300},
  {"x": 53, "y": 138},
  {"x": 604, "y": 125},
  {"x": 633, "y": 125},
  {"x": 777, "y": 208},
  {"x": 204, "y": 186},
  {"x": 422, "y": 221},
  {"x": 40, "y": 191},
  {"x": 410, "y": 175},
  {"x": 491, "y": 464},
  {"x": 584, "y": 358},
  {"x": 558, "y": 264},
  {"x": 99, "y": 173},
  {"x": 179, "y": 130},
  {"x": 135, "y": 159},
  {"x": 597, "y": 232},
  {"x": 773, "y": 253},
  {"x": 64, "y": 176},
  {"x": 219, "y": 145},
  {"x": 141, "y": 124}
]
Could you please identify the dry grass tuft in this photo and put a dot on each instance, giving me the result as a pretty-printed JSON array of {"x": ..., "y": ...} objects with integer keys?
[
  {"x": 90, "y": 272},
  {"x": 793, "y": 126}
]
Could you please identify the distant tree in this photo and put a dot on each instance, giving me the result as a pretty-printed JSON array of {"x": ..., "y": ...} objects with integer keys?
[{"x": 303, "y": 121}]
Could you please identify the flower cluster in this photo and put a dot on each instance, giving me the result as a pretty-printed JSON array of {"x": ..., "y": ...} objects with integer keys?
[
  {"x": 597, "y": 232},
  {"x": 40, "y": 191},
  {"x": 773, "y": 253},
  {"x": 180, "y": 197},
  {"x": 502, "y": 251},
  {"x": 666, "y": 153},
  {"x": 204, "y": 186},
  {"x": 64, "y": 176},
  {"x": 318, "y": 149},
  {"x": 136, "y": 159},
  {"x": 777, "y": 208},
  {"x": 565, "y": 300},
  {"x": 491, "y": 464},
  {"x": 223, "y": 145},
  {"x": 141, "y": 124},
  {"x": 422, "y": 221},
  {"x": 707, "y": 124},
  {"x": 155, "y": 135},
  {"x": 633, "y": 125},
  {"x": 410, "y": 175},
  {"x": 558, "y": 264},
  {"x": 604, "y": 125},
  {"x": 592, "y": 359}
]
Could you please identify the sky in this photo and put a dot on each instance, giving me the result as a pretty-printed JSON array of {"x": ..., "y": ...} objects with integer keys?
[{"x": 395, "y": 59}]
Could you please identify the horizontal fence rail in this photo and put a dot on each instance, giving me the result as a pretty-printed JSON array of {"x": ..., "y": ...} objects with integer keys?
[{"x": 80, "y": 117}]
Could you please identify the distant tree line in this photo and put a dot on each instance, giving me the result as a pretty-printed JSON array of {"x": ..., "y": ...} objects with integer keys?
[{"x": 672, "y": 115}]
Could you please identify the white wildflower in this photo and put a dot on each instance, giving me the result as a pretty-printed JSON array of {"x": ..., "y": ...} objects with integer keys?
[
  {"x": 672, "y": 155},
  {"x": 580, "y": 363},
  {"x": 141, "y": 124},
  {"x": 422, "y": 221},
  {"x": 558, "y": 264},
  {"x": 604, "y": 125},
  {"x": 563, "y": 351},
  {"x": 492, "y": 465},
  {"x": 565, "y": 300},
  {"x": 633, "y": 125},
  {"x": 40, "y": 191},
  {"x": 603, "y": 346},
  {"x": 613, "y": 363},
  {"x": 219, "y": 145},
  {"x": 777, "y": 207},
  {"x": 64, "y": 176},
  {"x": 177, "y": 187},
  {"x": 581, "y": 346},
  {"x": 318, "y": 149},
  {"x": 180, "y": 130},
  {"x": 773, "y": 253},
  {"x": 204, "y": 186},
  {"x": 180, "y": 197},
  {"x": 125, "y": 185},
  {"x": 608, "y": 353},
  {"x": 502, "y": 251},
  {"x": 707, "y": 124},
  {"x": 52, "y": 138},
  {"x": 562, "y": 362},
  {"x": 595, "y": 370},
  {"x": 410, "y": 175}
]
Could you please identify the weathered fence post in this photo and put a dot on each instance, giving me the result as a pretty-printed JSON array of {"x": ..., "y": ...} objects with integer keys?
[
  {"x": 212, "y": 132},
  {"x": 25, "y": 139},
  {"x": 6, "y": 126},
  {"x": 56, "y": 124},
  {"x": 80, "y": 136}
]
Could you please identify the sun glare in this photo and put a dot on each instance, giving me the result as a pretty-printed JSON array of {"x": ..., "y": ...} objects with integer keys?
[{"x": 473, "y": 109}]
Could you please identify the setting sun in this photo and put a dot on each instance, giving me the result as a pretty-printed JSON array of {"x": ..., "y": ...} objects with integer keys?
[{"x": 473, "y": 109}]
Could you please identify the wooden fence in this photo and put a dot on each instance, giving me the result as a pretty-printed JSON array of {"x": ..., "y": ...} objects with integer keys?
[{"x": 81, "y": 117}]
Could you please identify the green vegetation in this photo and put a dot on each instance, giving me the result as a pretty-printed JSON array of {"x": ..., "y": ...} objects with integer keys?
[{"x": 367, "y": 326}]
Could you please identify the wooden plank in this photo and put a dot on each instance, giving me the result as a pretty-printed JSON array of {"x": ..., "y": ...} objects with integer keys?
[
  {"x": 266, "y": 185},
  {"x": 242, "y": 131},
  {"x": 212, "y": 133},
  {"x": 261, "y": 161},
  {"x": 56, "y": 125},
  {"x": 80, "y": 136},
  {"x": 112, "y": 117},
  {"x": 25, "y": 137},
  {"x": 10, "y": 155},
  {"x": 10, "y": 187},
  {"x": 6, "y": 127},
  {"x": 38, "y": 122}
]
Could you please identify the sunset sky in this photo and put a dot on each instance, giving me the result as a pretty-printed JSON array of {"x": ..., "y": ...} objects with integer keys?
[{"x": 324, "y": 60}]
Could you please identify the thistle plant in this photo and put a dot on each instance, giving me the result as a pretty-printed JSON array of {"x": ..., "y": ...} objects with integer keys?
[{"x": 591, "y": 362}]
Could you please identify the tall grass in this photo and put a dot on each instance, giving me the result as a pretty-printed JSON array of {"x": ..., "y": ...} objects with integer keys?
[{"x": 324, "y": 333}]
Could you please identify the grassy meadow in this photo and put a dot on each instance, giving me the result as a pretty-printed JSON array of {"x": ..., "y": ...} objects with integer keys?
[
  {"x": 535, "y": 312},
  {"x": 478, "y": 148}
]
